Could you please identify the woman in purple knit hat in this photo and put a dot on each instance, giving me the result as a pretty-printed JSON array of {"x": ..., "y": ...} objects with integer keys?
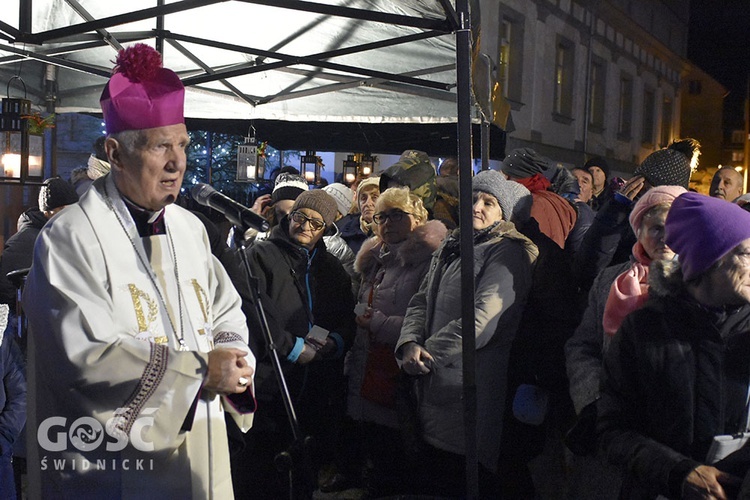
[{"x": 676, "y": 373}]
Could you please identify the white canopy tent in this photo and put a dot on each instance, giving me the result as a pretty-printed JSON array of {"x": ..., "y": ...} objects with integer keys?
[
  {"x": 369, "y": 61},
  {"x": 364, "y": 62}
]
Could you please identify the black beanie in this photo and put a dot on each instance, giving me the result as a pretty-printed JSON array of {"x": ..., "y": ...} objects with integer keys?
[
  {"x": 665, "y": 167},
  {"x": 597, "y": 161},
  {"x": 288, "y": 187},
  {"x": 56, "y": 192},
  {"x": 523, "y": 163}
]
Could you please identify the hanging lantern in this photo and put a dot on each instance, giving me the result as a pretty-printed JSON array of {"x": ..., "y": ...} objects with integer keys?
[
  {"x": 21, "y": 151},
  {"x": 310, "y": 167},
  {"x": 367, "y": 165},
  {"x": 251, "y": 159},
  {"x": 350, "y": 170}
]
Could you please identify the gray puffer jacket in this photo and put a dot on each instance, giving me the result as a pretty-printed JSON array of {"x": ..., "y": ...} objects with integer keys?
[
  {"x": 503, "y": 265},
  {"x": 337, "y": 247}
]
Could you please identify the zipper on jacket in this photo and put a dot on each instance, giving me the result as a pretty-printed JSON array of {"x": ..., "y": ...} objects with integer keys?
[{"x": 310, "y": 257}]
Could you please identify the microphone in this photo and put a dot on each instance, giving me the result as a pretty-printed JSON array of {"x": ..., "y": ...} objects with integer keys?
[{"x": 237, "y": 214}]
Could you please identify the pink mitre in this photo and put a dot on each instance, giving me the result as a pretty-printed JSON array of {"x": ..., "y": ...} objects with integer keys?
[{"x": 141, "y": 94}]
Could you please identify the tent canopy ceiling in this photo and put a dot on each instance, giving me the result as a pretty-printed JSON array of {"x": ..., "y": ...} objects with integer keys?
[{"x": 330, "y": 61}]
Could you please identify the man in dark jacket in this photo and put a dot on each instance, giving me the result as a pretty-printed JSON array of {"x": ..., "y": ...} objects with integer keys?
[
  {"x": 302, "y": 286},
  {"x": 600, "y": 190},
  {"x": 54, "y": 195}
]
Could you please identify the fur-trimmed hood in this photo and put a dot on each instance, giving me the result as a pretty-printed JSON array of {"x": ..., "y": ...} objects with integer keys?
[
  {"x": 418, "y": 247},
  {"x": 665, "y": 279}
]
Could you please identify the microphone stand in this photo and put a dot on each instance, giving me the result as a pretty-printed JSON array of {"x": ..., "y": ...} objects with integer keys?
[{"x": 294, "y": 460}]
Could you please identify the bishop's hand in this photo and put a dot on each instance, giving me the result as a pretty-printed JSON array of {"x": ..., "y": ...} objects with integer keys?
[{"x": 228, "y": 371}]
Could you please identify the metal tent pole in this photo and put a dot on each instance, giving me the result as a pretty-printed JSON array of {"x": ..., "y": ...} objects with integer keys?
[
  {"x": 463, "y": 76},
  {"x": 487, "y": 114}
]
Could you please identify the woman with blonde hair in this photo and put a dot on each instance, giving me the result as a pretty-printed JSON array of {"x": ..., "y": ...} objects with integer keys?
[{"x": 392, "y": 264}]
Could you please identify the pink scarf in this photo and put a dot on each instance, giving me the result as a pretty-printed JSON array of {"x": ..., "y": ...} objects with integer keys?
[{"x": 629, "y": 291}]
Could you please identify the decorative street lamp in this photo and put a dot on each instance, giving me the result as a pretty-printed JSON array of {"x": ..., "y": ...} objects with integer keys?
[
  {"x": 350, "y": 170},
  {"x": 21, "y": 152},
  {"x": 310, "y": 166},
  {"x": 367, "y": 165},
  {"x": 251, "y": 159}
]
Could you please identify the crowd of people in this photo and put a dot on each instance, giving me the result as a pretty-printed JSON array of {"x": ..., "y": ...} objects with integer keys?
[{"x": 612, "y": 327}]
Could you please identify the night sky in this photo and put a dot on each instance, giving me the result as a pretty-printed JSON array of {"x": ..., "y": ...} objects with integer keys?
[{"x": 719, "y": 43}]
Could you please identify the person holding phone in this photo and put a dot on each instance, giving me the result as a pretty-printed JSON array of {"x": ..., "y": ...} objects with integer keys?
[{"x": 307, "y": 298}]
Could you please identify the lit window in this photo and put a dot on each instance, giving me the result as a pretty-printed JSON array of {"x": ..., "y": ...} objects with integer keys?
[
  {"x": 666, "y": 122},
  {"x": 563, "y": 104}
]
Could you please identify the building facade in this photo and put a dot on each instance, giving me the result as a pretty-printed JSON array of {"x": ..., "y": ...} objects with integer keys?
[{"x": 589, "y": 78}]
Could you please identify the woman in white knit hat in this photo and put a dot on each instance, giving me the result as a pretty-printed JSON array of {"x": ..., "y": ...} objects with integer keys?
[{"x": 356, "y": 227}]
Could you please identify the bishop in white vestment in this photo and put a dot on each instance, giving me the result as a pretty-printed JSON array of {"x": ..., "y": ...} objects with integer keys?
[{"x": 137, "y": 343}]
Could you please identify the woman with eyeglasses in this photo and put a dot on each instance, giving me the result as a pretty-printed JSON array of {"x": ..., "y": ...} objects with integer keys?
[
  {"x": 304, "y": 289},
  {"x": 430, "y": 344},
  {"x": 392, "y": 264}
]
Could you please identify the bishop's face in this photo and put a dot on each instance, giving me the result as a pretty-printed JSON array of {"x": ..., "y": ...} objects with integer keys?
[{"x": 151, "y": 176}]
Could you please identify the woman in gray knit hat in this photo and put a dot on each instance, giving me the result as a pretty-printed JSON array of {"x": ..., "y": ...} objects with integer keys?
[{"x": 429, "y": 346}]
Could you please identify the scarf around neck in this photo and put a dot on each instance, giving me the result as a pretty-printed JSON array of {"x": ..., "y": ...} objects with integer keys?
[
  {"x": 536, "y": 182},
  {"x": 628, "y": 292},
  {"x": 452, "y": 246}
]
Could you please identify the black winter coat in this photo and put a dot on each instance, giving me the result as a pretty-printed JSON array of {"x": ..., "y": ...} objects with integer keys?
[
  {"x": 674, "y": 376},
  {"x": 12, "y": 393},
  {"x": 608, "y": 241},
  {"x": 291, "y": 279},
  {"x": 18, "y": 252},
  {"x": 351, "y": 231}
]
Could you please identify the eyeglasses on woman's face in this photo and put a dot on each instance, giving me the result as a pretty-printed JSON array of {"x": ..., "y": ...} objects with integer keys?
[
  {"x": 300, "y": 218},
  {"x": 395, "y": 216}
]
